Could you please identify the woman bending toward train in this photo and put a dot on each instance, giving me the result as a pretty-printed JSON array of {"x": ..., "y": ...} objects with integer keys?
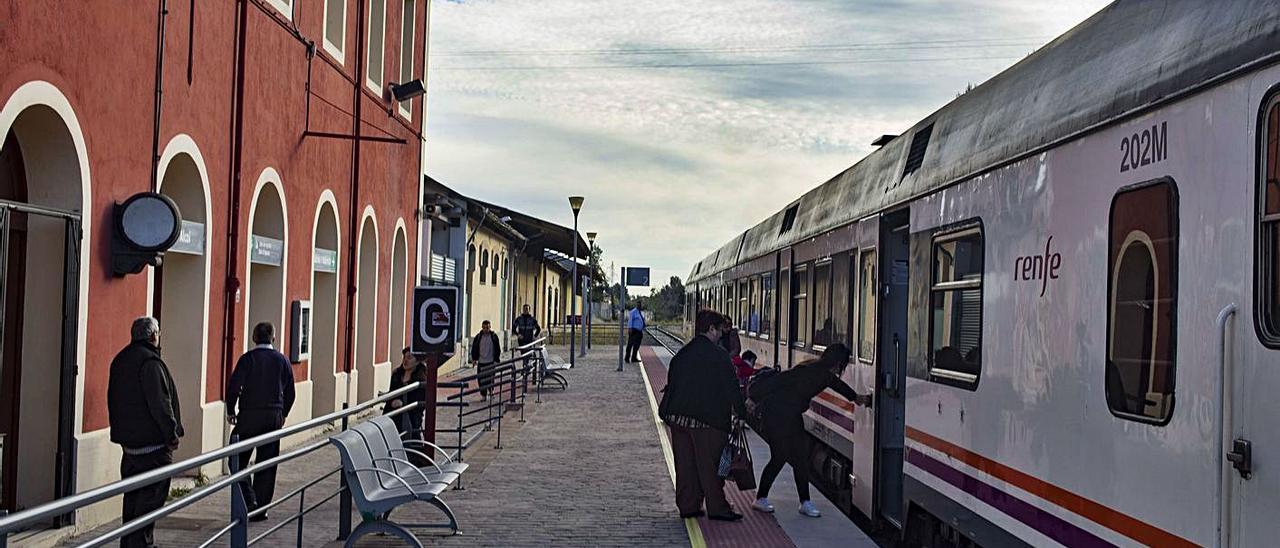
[
  {"x": 781, "y": 410},
  {"x": 701, "y": 393}
]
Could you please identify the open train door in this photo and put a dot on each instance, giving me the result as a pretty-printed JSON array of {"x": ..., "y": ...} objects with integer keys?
[{"x": 886, "y": 270}]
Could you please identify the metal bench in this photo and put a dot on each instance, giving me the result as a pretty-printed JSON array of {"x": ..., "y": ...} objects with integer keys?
[
  {"x": 380, "y": 483},
  {"x": 551, "y": 372},
  {"x": 444, "y": 468}
]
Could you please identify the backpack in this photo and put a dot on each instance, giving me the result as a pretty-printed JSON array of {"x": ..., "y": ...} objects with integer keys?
[{"x": 762, "y": 383}]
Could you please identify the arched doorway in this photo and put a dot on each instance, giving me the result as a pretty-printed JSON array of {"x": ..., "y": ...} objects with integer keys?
[
  {"x": 366, "y": 306},
  {"x": 399, "y": 289},
  {"x": 267, "y": 251},
  {"x": 324, "y": 308},
  {"x": 181, "y": 288},
  {"x": 43, "y": 186}
]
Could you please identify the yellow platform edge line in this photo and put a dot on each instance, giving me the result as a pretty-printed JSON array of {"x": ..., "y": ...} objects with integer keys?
[{"x": 690, "y": 524}]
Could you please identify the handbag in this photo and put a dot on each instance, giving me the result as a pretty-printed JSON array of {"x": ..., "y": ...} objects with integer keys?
[{"x": 741, "y": 469}]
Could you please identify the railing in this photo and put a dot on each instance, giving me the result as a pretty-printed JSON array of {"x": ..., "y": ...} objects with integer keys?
[
  {"x": 509, "y": 384},
  {"x": 237, "y": 526}
]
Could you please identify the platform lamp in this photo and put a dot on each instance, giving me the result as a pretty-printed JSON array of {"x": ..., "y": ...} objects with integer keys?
[
  {"x": 591, "y": 272},
  {"x": 575, "y": 202}
]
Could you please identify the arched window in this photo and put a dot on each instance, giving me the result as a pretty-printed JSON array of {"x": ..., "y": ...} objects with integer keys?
[
  {"x": 484, "y": 264},
  {"x": 493, "y": 274},
  {"x": 471, "y": 258},
  {"x": 1142, "y": 303}
]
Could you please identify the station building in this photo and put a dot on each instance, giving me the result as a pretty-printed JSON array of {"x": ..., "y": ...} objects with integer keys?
[
  {"x": 501, "y": 260},
  {"x": 271, "y": 125}
]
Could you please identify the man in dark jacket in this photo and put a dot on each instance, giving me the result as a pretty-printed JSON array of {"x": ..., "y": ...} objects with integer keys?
[
  {"x": 485, "y": 353},
  {"x": 262, "y": 385},
  {"x": 526, "y": 327},
  {"x": 145, "y": 419},
  {"x": 697, "y": 402}
]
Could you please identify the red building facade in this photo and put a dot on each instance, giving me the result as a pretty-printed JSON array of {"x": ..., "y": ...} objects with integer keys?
[{"x": 270, "y": 124}]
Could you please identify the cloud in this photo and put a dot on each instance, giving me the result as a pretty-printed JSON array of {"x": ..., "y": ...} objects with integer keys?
[{"x": 684, "y": 123}]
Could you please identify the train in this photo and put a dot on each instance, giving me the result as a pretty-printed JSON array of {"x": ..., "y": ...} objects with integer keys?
[{"x": 1062, "y": 288}]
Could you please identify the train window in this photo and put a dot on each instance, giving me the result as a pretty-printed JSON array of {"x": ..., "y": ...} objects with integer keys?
[
  {"x": 867, "y": 306},
  {"x": 841, "y": 301},
  {"x": 729, "y": 303},
  {"x": 1142, "y": 302},
  {"x": 753, "y": 306},
  {"x": 1268, "y": 252},
  {"x": 784, "y": 306},
  {"x": 822, "y": 304},
  {"x": 766, "y": 305},
  {"x": 799, "y": 306},
  {"x": 955, "y": 330},
  {"x": 744, "y": 297}
]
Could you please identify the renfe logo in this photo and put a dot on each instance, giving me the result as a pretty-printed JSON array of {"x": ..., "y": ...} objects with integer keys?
[{"x": 1038, "y": 267}]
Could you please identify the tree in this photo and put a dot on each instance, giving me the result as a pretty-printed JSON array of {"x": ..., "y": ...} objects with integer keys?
[{"x": 667, "y": 303}]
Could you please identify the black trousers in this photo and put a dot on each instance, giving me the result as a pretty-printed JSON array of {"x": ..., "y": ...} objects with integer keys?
[
  {"x": 143, "y": 500},
  {"x": 485, "y": 380},
  {"x": 261, "y": 488},
  {"x": 634, "y": 338},
  {"x": 788, "y": 444}
]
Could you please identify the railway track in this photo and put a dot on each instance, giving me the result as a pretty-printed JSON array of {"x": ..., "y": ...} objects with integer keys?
[{"x": 664, "y": 338}]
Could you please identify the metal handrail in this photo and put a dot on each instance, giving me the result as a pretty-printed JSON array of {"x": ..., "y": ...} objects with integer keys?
[{"x": 18, "y": 521}]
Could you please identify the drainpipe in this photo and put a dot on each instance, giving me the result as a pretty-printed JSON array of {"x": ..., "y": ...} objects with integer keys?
[
  {"x": 232, "y": 288},
  {"x": 358, "y": 92},
  {"x": 161, "y": 15}
]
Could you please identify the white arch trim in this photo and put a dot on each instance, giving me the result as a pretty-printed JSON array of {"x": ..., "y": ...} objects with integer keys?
[
  {"x": 184, "y": 144},
  {"x": 41, "y": 93},
  {"x": 268, "y": 177},
  {"x": 326, "y": 197},
  {"x": 367, "y": 214},
  {"x": 400, "y": 234},
  {"x": 1137, "y": 237}
]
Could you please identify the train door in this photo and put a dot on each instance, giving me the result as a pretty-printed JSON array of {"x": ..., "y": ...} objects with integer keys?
[
  {"x": 1251, "y": 440},
  {"x": 892, "y": 277}
]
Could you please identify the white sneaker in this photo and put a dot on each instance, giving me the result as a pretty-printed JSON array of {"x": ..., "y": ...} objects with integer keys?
[
  {"x": 807, "y": 508},
  {"x": 763, "y": 505}
]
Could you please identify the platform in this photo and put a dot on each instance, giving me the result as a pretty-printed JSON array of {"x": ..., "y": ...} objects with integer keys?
[{"x": 589, "y": 467}]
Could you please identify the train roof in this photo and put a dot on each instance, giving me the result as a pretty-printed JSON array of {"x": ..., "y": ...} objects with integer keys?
[{"x": 1130, "y": 56}]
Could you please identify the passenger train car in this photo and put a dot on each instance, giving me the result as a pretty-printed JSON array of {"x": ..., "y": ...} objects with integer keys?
[{"x": 1063, "y": 289}]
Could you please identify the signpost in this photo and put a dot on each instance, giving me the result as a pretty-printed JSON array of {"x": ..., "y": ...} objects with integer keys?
[
  {"x": 434, "y": 332},
  {"x": 631, "y": 276}
]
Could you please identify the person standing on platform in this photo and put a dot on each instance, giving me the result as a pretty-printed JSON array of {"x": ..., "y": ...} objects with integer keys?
[
  {"x": 526, "y": 327},
  {"x": 411, "y": 370},
  {"x": 262, "y": 387},
  {"x": 145, "y": 420},
  {"x": 635, "y": 332},
  {"x": 730, "y": 341},
  {"x": 697, "y": 403},
  {"x": 485, "y": 349},
  {"x": 781, "y": 410}
]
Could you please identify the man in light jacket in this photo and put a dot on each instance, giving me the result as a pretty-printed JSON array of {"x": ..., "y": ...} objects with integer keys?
[
  {"x": 635, "y": 332},
  {"x": 145, "y": 419}
]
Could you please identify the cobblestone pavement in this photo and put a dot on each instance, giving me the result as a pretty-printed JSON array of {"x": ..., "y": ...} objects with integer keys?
[{"x": 586, "y": 469}]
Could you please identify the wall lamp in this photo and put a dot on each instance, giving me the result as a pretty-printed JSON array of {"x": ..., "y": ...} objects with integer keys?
[{"x": 407, "y": 90}]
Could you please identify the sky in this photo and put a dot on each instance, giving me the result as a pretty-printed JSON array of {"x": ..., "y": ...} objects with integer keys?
[{"x": 685, "y": 122}]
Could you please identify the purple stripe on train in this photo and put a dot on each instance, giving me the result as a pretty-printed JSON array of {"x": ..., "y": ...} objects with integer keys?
[
  {"x": 840, "y": 419},
  {"x": 1041, "y": 520}
]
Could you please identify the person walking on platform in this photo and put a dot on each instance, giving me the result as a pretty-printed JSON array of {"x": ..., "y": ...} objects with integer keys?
[
  {"x": 635, "y": 332},
  {"x": 485, "y": 349},
  {"x": 526, "y": 327},
  {"x": 697, "y": 403},
  {"x": 262, "y": 387},
  {"x": 145, "y": 420},
  {"x": 781, "y": 407},
  {"x": 411, "y": 370}
]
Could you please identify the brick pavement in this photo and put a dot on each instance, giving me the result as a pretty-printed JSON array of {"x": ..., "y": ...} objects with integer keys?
[{"x": 586, "y": 469}]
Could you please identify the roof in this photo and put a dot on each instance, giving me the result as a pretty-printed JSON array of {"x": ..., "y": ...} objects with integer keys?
[
  {"x": 521, "y": 227},
  {"x": 1131, "y": 56}
]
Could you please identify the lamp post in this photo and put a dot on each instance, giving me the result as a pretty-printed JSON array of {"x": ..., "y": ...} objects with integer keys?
[
  {"x": 575, "y": 202},
  {"x": 591, "y": 272}
]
